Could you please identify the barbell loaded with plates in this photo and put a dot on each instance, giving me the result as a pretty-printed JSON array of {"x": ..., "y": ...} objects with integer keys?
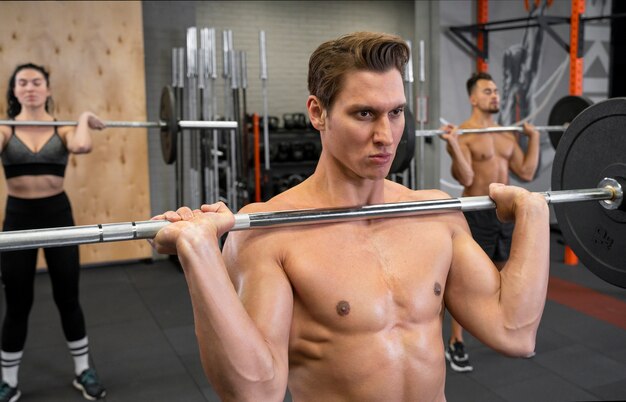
[
  {"x": 561, "y": 114},
  {"x": 169, "y": 125},
  {"x": 588, "y": 166}
]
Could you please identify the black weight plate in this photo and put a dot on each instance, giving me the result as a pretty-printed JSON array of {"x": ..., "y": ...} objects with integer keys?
[
  {"x": 563, "y": 112},
  {"x": 169, "y": 133},
  {"x": 406, "y": 148},
  {"x": 594, "y": 147}
]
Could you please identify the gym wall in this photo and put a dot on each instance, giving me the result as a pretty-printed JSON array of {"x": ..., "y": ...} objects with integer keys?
[
  {"x": 94, "y": 52},
  {"x": 458, "y": 65},
  {"x": 293, "y": 30}
]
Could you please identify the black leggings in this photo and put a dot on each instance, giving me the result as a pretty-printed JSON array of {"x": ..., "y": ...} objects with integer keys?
[{"x": 18, "y": 270}]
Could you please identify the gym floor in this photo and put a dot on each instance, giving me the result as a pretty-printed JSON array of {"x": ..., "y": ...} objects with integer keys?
[{"x": 142, "y": 341}]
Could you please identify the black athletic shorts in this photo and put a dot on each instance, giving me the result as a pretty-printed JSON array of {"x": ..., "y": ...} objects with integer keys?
[{"x": 492, "y": 235}]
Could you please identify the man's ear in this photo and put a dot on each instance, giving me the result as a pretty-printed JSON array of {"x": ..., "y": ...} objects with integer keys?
[
  {"x": 317, "y": 113},
  {"x": 472, "y": 100}
]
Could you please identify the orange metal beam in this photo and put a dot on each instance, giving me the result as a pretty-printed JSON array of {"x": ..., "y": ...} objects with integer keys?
[
  {"x": 482, "y": 17},
  {"x": 576, "y": 59},
  {"x": 575, "y": 78}
]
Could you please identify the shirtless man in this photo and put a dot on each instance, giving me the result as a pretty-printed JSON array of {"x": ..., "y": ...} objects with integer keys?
[
  {"x": 477, "y": 161},
  {"x": 353, "y": 311}
]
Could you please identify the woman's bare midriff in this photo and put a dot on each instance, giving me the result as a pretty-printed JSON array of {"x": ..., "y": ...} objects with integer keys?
[{"x": 34, "y": 186}]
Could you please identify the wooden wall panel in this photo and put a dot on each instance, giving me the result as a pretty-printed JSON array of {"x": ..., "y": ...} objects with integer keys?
[{"x": 94, "y": 52}]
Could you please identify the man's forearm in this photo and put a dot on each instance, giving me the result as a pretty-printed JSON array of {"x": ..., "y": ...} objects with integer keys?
[
  {"x": 531, "y": 159},
  {"x": 234, "y": 354},
  {"x": 461, "y": 167},
  {"x": 524, "y": 278}
]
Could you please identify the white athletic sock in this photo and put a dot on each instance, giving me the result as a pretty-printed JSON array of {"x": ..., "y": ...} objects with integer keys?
[
  {"x": 10, "y": 366},
  {"x": 80, "y": 352}
]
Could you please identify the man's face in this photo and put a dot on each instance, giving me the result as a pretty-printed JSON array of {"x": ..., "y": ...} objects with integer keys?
[
  {"x": 485, "y": 97},
  {"x": 365, "y": 123}
]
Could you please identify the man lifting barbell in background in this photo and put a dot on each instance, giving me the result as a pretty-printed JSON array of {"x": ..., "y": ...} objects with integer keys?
[
  {"x": 354, "y": 310},
  {"x": 477, "y": 161}
]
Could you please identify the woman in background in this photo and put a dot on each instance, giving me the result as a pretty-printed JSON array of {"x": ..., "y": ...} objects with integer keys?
[{"x": 34, "y": 160}]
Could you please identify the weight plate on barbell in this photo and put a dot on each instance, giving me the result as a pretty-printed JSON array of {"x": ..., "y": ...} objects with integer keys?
[
  {"x": 563, "y": 112},
  {"x": 594, "y": 147},
  {"x": 406, "y": 148},
  {"x": 169, "y": 133}
]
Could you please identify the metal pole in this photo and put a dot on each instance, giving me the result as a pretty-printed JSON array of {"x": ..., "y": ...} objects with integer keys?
[
  {"x": 486, "y": 130},
  {"x": 180, "y": 154},
  {"x": 266, "y": 141},
  {"x": 192, "y": 114},
  {"x": 73, "y": 235},
  {"x": 205, "y": 86},
  {"x": 215, "y": 153},
  {"x": 421, "y": 116},
  {"x": 408, "y": 174}
]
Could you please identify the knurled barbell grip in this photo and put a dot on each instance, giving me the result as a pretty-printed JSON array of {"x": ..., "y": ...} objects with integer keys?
[{"x": 74, "y": 235}]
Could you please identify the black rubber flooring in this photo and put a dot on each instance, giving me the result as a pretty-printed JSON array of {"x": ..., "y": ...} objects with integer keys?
[{"x": 143, "y": 346}]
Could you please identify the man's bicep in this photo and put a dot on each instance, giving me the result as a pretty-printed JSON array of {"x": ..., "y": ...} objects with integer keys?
[
  {"x": 262, "y": 286},
  {"x": 517, "y": 160},
  {"x": 473, "y": 286}
]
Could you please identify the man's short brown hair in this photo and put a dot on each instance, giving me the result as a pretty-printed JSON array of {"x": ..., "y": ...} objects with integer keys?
[
  {"x": 471, "y": 83},
  {"x": 359, "y": 51}
]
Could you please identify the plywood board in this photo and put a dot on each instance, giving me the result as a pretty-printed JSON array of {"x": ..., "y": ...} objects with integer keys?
[{"x": 94, "y": 52}]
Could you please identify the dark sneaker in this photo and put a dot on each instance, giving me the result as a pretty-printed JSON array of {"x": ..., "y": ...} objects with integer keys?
[
  {"x": 459, "y": 360},
  {"x": 8, "y": 393},
  {"x": 89, "y": 384}
]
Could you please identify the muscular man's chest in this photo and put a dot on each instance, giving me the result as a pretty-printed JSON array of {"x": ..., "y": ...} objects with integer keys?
[
  {"x": 371, "y": 276},
  {"x": 485, "y": 147}
]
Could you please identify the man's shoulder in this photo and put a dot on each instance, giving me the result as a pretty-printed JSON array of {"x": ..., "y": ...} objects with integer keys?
[
  {"x": 429, "y": 194},
  {"x": 436, "y": 194},
  {"x": 396, "y": 192},
  {"x": 280, "y": 202}
]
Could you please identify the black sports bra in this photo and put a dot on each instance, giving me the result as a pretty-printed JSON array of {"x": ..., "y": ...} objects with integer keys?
[{"x": 19, "y": 160}]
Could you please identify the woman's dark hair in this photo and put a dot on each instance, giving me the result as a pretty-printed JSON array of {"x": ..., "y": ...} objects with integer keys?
[{"x": 13, "y": 105}]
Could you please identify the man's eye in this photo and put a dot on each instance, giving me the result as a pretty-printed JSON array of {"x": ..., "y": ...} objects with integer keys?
[
  {"x": 364, "y": 113},
  {"x": 397, "y": 112}
]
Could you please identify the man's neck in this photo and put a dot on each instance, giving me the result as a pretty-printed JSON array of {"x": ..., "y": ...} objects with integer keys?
[
  {"x": 341, "y": 189},
  {"x": 482, "y": 119}
]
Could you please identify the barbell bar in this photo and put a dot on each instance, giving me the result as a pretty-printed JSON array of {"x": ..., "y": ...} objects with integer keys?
[
  {"x": 609, "y": 194},
  {"x": 127, "y": 124},
  {"x": 487, "y": 130},
  {"x": 169, "y": 125}
]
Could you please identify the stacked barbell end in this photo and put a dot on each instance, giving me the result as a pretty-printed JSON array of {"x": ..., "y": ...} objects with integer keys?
[{"x": 609, "y": 190}]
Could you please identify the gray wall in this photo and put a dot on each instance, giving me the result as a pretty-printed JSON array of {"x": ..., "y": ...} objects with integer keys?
[
  {"x": 456, "y": 66},
  {"x": 293, "y": 30},
  {"x": 164, "y": 24}
]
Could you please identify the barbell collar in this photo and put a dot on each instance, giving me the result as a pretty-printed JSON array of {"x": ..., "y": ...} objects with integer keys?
[
  {"x": 75, "y": 235},
  {"x": 487, "y": 130}
]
